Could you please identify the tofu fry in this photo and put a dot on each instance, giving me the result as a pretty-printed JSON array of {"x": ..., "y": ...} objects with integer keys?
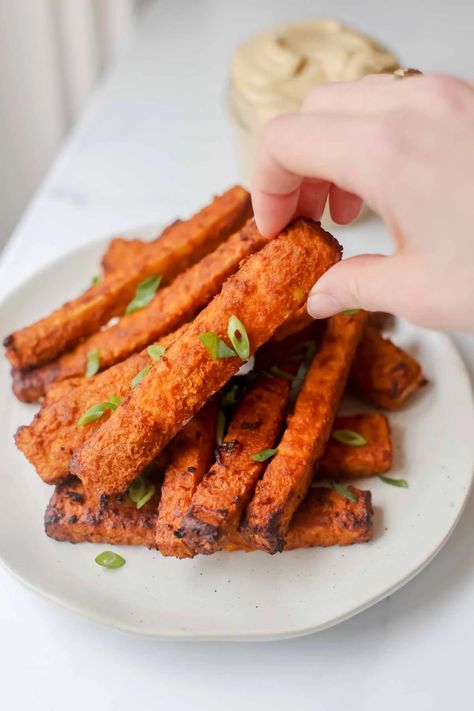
[
  {"x": 342, "y": 461},
  {"x": 181, "y": 246},
  {"x": 171, "y": 307},
  {"x": 123, "y": 253},
  {"x": 70, "y": 516},
  {"x": 190, "y": 456},
  {"x": 325, "y": 518},
  {"x": 288, "y": 476},
  {"x": 269, "y": 286},
  {"x": 383, "y": 374},
  {"x": 216, "y": 507},
  {"x": 295, "y": 323},
  {"x": 49, "y": 441}
]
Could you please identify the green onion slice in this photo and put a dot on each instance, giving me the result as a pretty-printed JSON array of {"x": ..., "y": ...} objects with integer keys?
[
  {"x": 155, "y": 352},
  {"x": 139, "y": 376},
  {"x": 93, "y": 363},
  {"x": 231, "y": 397},
  {"x": 349, "y": 437},
  {"x": 140, "y": 491},
  {"x": 137, "y": 489},
  {"x": 279, "y": 373},
  {"x": 263, "y": 455},
  {"x": 345, "y": 492},
  {"x": 96, "y": 411},
  {"x": 220, "y": 427},
  {"x": 109, "y": 559},
  {"x": 145, "y": 292},
  {"x": 216, "y": 346},
  {"x": 95, "y": 280},
  {"x": 147, "y": 496},
  {"x": 114, "y": 402},
  {"x": 350, "y": 312},
  {"x": 402, "y": 483},
  {"x": 238, "y": 337}
]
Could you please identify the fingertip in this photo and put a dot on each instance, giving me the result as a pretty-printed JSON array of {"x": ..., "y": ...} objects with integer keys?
[
  {"x": 321, "y": 304},
  {"x": 273, "y": 212},
  {"x": 344, "y": 206}
]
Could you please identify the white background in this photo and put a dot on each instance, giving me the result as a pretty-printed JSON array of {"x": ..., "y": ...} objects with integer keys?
[{"x": 155, "y": 143}]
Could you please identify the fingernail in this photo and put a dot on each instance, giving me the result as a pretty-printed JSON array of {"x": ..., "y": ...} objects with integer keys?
[{"x": 322, "y": 305}]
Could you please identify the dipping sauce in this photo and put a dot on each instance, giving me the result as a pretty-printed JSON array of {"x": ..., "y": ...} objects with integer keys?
[{"x": 272, "y": 72}]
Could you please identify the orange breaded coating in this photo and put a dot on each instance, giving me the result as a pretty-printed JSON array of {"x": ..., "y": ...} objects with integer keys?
[
  {"x": 71, "y": 516},
  {"x": 288, "y": 476},
  {"x": 268, "y": 287},
  {"x": 342, "y": 461},
  {"x": 123, "y": 253},
  {"x": 49, "y": 441},
  {"x": 383, "y": 374},
  {"x": 171, "y": 307},
  {"x": 216, "y": 507},
  {"x": 325, "y": 518},
  {"x": 181, "y": 246},
  {"x": 294, "y": 324},
  {"x": 190, "y": 456}
]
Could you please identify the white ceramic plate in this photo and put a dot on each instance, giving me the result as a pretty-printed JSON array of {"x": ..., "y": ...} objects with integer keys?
[{"x": 245, "y": 596}]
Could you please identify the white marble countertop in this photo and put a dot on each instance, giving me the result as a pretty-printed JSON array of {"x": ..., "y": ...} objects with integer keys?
[{"x": 155, "y": 142}]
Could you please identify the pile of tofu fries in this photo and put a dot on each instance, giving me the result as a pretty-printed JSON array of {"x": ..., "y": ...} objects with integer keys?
[{"x": 190, "y": 405}]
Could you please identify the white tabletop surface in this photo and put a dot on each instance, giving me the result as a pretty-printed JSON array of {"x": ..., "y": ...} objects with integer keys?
[{"x": 154, "y": 143}]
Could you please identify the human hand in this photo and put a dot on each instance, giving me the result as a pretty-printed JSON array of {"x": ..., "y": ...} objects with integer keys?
[{"x": 406, "y": 148}]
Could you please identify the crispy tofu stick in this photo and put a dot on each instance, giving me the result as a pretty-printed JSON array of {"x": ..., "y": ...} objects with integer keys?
[
  {"x": 269, "y": 286},
  {"x": 70, "y": 516},
  {"x": 180, "y": 247},
  {"x": 216, "y": 507},
  {"x": 190, "y": 456},
  {"x": 383, "y": 374},
  {"x": 172, "y": 306},
  {"x": 325, "y": 518},
  {"x": 342, "y": 461},
  {"x": 295, "y": 323},
  {"x": 288, "y": 476},
  {"x": 122, "y": 253},
  {"x": 49, "y": 441}
]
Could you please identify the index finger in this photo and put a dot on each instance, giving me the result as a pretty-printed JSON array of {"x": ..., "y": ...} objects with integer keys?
[{"x": 328, "y": 147}]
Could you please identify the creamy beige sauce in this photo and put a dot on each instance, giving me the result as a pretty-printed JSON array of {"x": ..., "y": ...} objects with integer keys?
[{"x": 272, "y": 72}]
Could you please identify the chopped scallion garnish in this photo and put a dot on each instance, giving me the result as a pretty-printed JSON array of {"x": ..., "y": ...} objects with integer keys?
[
  {"x": 216, "y": 346},
  {"x": 279, "y": 373},
  {"x": 139, "y": 376},
  {"x": 109, "y": 559},
  {"x": 137, "y": 489},
  {"x": 349, "y": 437},
  {"x": 231, "y": 397},
  {"x": 350, "y": 312},
  {"x": 145, "y": 292},
  {"x": 238, "y": 337},
  {"x": 93, "y": 363},
  {"x": 345, "y": 492},
  {"x": 147, "y": 496},
  {"x": 95, "y": 280},
  {"x": 140, "y": 491},
  {"x": 155, "y": 352},
  {"x": 402, "y": 483},
  {"x": 263, "y": 455},
  {"x": 96, "y": 411}
]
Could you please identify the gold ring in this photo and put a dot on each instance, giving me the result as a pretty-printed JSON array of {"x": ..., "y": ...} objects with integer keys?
[{"x": 406, "y": 72}]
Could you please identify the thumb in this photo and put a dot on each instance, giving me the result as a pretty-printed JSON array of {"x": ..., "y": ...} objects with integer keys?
[{"x": 370, "y": 281}]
